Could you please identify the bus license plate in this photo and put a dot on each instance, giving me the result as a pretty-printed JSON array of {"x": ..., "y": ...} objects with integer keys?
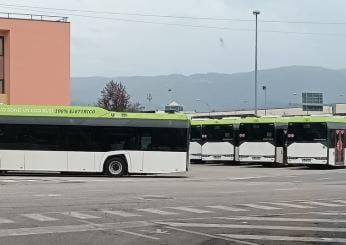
[
  {"x": 256, "y": 158},
  {"x": 217, "y": 157},
  {"x": 306, "y": 160}
]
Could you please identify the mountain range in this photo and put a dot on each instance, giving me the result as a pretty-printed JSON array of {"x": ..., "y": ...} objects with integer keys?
[{"x": 220, "y": 91}]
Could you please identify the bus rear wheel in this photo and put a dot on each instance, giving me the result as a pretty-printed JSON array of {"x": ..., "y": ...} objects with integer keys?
[{"x": 115, "y": 167}]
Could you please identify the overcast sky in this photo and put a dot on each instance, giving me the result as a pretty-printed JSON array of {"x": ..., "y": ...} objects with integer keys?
[{"x": 116, "y": 48}]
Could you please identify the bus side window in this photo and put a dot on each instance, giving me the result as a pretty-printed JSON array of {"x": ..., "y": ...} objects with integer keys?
[
  {"x": 3, "y": 137},
  {"x": 146, "y": 139},
  {"x": 123, "y": 138}
]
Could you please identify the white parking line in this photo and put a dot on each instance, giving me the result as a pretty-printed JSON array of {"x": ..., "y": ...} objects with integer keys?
[
  {"x": 212, "y": 236},
  {"x": 192, "y": 210},
  {"x": 330, "y": 213},
  {"x": 39, "y": 217},
  {"x": 47, "y": 195},
  {"x": 70, "y": 228},
  {"x": 250, "y": 177},
  {"x": 287, "y": 189},
  {"x": 284, "y": 219},
  {"x": 79, "y": 215},
  {"x": 285, "y": 238},
  {"x": 139, "y": 235},
  {"x": 260, "y": 206},
  {"x": 156, "y": 211},
  {"x": 5, "y": 221},
  {"x": 227, "y": 208},
  {"x": 49, "y": 230},
  {"x": 289, "y": 205},
  {"x": 260, "y": 227},
  {"x": 120, "y": 213},
  {"x": 340, "y": 201},
  {"x": 325, "y": 204}
]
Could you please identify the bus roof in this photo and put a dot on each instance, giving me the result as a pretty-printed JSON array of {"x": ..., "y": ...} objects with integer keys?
[
  {"x": 81, "y": 112},
  {"x": 208, "y": 121},
  {"x": 264, "y": 120},
  {"x": 317, "y": 119}
]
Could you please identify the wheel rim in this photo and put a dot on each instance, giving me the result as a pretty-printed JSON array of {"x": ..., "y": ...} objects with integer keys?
[{"x": 115, "y": 167}]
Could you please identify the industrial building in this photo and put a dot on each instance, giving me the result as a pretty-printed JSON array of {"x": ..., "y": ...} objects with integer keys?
[{"x": 334, "y": 109}]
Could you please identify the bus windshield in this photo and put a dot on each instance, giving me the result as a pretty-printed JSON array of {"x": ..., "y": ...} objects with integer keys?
[
  {"x": 256, "y": 132},
  {"x": 196, "y": 133},
  {"x": 218, "y": 132},
  {"x": 302, "y": 132}
]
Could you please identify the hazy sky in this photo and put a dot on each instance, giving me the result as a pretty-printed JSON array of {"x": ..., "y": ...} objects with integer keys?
[{"x": 114, "y": 48}]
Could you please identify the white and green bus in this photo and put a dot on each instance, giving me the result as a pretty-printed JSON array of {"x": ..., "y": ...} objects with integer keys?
[
  {"x": 219, "y": 140},
  {"x": 90, "y": 139},
  {"x": 262, "y": 140},
  {"x": 213, "y": 140},
  {"x": 316, "y": 140}
]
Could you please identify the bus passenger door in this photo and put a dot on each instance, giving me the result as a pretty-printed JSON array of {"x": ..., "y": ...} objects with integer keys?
[
  {"x": 81, "y": 149},
  {"x": 339, "y": 147},
  {"x": 158, "y": 156},
  {"x": 148, "y": 156}
]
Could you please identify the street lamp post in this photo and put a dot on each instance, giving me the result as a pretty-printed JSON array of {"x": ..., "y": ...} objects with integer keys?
[
  {"x": 256, "y": 13},
  {"x": 149, "y": 98},
  {"x": 199, "y": 100},
  {"x": 264, "y": 87}
]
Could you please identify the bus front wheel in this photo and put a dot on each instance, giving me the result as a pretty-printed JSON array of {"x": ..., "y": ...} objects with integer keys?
[{"x": 115, "y": 167}]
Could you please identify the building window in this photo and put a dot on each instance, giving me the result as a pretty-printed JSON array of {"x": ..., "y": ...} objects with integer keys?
[{"x": 2, "y": 66}]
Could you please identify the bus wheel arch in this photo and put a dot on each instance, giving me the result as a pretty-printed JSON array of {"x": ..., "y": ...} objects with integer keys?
[{"x": 115, "y": 166}]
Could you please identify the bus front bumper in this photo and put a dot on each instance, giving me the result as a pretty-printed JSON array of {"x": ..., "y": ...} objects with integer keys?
[
  {"x": 218, "y": 157},
  {"x": 195, "y": 156},
  {"x": 307, "y": 160},
  {"x": 246, "y": 158}
]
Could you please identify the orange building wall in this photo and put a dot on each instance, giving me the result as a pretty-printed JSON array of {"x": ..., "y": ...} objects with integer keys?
[{"x": 37, "y": 62}]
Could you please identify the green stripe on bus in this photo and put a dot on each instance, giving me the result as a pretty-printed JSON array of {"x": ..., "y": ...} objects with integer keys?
[
  {"x": 196, "y": 122},
  {"x": 81, "y": 112}
]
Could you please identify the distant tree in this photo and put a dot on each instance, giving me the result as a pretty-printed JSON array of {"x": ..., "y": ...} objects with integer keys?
[{"x": 114, "y": 97}]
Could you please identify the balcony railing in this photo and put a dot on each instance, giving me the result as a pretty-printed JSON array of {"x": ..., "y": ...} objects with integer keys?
[{"x": 33, "y": 17}]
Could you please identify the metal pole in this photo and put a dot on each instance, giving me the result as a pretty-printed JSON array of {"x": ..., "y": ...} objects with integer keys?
[
  {"x": 149, "y": 98},
  {"x": 256, "y": 70},
  {"x": 256, "y": 13},
  {"x": 265, "y": 102}
]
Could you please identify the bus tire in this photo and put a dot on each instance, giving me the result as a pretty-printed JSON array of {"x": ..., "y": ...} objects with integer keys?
[{"x": 115, "y": 167}]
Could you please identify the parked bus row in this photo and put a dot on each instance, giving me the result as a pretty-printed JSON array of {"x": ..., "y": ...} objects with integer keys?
[
  {"x": 306, "y": 140},
  {"x": 90, "y": 139}
]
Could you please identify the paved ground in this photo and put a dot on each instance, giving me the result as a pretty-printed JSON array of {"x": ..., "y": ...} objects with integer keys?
[{"x": 212, "y": 204}]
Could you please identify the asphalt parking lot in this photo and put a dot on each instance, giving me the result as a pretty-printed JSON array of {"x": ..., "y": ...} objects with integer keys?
[{"x": 212, "y": 204}]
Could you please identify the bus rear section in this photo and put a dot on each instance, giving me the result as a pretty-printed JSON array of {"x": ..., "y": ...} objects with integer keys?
[
  {"x": 219, "y": 142},
  {"x": 195, "y": 149},
  {"x": 262, "y": 143},
  {"x": 316, "y": 143}
]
